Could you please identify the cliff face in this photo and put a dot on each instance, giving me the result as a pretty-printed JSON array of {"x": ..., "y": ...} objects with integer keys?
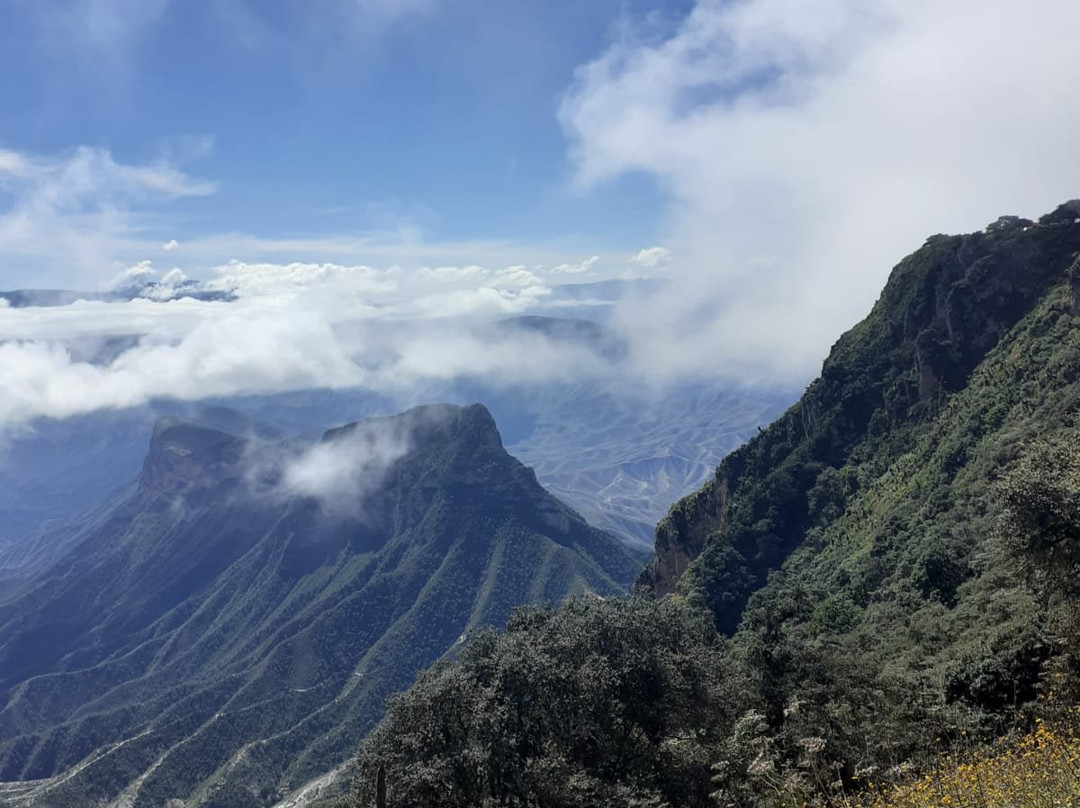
[
  {"x": 185, "y": 456},
  {"x": 943, "y": 309}
]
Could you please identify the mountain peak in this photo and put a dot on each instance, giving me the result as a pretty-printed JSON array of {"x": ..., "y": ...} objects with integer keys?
[
  {"x": 186, "y": 454},
  {"x": 202, "y": 596},
  {"x": 432, "y": 422}
]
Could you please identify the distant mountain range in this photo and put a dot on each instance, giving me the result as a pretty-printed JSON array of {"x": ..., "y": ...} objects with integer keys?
[
  {"x": 28, "y": 298},
  {"x": 229, "y": 625}
]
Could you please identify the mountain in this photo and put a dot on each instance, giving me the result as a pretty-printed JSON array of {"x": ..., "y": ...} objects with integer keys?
[
  {"x": 887, "y": 384},
  {"x": 232, "y": 623},
  {"x": 889, "y": 569}
]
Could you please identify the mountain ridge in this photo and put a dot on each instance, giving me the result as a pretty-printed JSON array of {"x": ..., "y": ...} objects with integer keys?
[
  {"x": 943, "y": 308},
  {"x": 207, "y": 591}
]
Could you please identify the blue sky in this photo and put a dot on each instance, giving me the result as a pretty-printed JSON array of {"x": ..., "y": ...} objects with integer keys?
[
  {"x": 370, "y": 180},
  {"x": 359, "y": 116}
]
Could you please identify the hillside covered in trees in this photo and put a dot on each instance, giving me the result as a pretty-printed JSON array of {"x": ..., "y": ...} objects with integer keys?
[{"x": 886, "y": 571}]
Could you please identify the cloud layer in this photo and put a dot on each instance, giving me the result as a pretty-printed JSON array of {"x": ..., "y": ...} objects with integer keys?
[
  {"x": 804, "y": 150},
  {"x": 284, "y": 327}
]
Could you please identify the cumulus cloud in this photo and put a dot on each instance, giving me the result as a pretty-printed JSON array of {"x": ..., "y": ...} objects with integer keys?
[
  {"x": 284, "y": 327},
  {"x": 168, "y": 287},
  {"x": 805, "y": 148},
  {"x": 651, "y": 257},
  {"x": 577, "y": 269},
  {"x": 191, "y": 350},
  {"x": 135, "y": 275},
  {"x": 252, "y": 279},
  {"x": 170, "y": 245}
]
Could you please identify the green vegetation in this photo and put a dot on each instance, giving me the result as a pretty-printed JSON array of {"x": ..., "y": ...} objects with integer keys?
[
  {"x": 893, "y": 564},
  {"x": 596, "y": 703}
]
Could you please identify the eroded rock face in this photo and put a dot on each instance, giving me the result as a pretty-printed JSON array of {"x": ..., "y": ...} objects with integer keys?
[
  {"x": 681, "y": 536},
  {"x": 186, "y": 456}
]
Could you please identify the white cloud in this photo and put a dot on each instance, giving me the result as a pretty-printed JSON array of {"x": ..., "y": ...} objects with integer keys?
[
  {"x": 346, "y": 467},
  {"x": 577, "y": 269},
  {"x": 253, "y": 279},
  {"x": 11, "y": 163},
  {"x": 135, "y": 275},
  {"x": 341, "y": 472},
  {"x": 170, "y": 245},
  {"x": 71, "y": 215},
  {"x": 168, "y": 287},
  {"x": 515, "y": 277},
  {"x": 452, "y": 274},
  {"x": 290, "y": 327},
  {"x": 806, "y": 148},
  {"x": 189, "y": 350},
  {"x": 651, "y": 257},
  {"x": 174, "y": 277}
]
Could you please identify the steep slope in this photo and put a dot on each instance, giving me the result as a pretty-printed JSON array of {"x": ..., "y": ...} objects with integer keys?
[
  {"x": 944, "y": 308},
  {"x": 870, "y": 556},
  {"x": 232, "y": 626}
]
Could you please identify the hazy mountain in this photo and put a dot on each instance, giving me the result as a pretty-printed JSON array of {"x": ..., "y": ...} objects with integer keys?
[{"x": 230, "y": 625}]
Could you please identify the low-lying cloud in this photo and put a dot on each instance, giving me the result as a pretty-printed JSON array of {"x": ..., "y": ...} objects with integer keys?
[
  {"x": 288, "y": 328},
  {"x": 342, "y": 472}
]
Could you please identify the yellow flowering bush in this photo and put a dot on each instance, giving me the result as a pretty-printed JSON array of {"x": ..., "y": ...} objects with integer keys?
[{"x": 1037, "y": 770}]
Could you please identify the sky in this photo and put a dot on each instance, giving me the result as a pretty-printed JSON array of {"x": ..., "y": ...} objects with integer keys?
[
  {"x": 372, "y": 180},
  {"x": 393, "y": 120}
]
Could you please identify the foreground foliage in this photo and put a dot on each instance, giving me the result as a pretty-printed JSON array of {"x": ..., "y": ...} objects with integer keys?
[{"x": 601, "y": 702}]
